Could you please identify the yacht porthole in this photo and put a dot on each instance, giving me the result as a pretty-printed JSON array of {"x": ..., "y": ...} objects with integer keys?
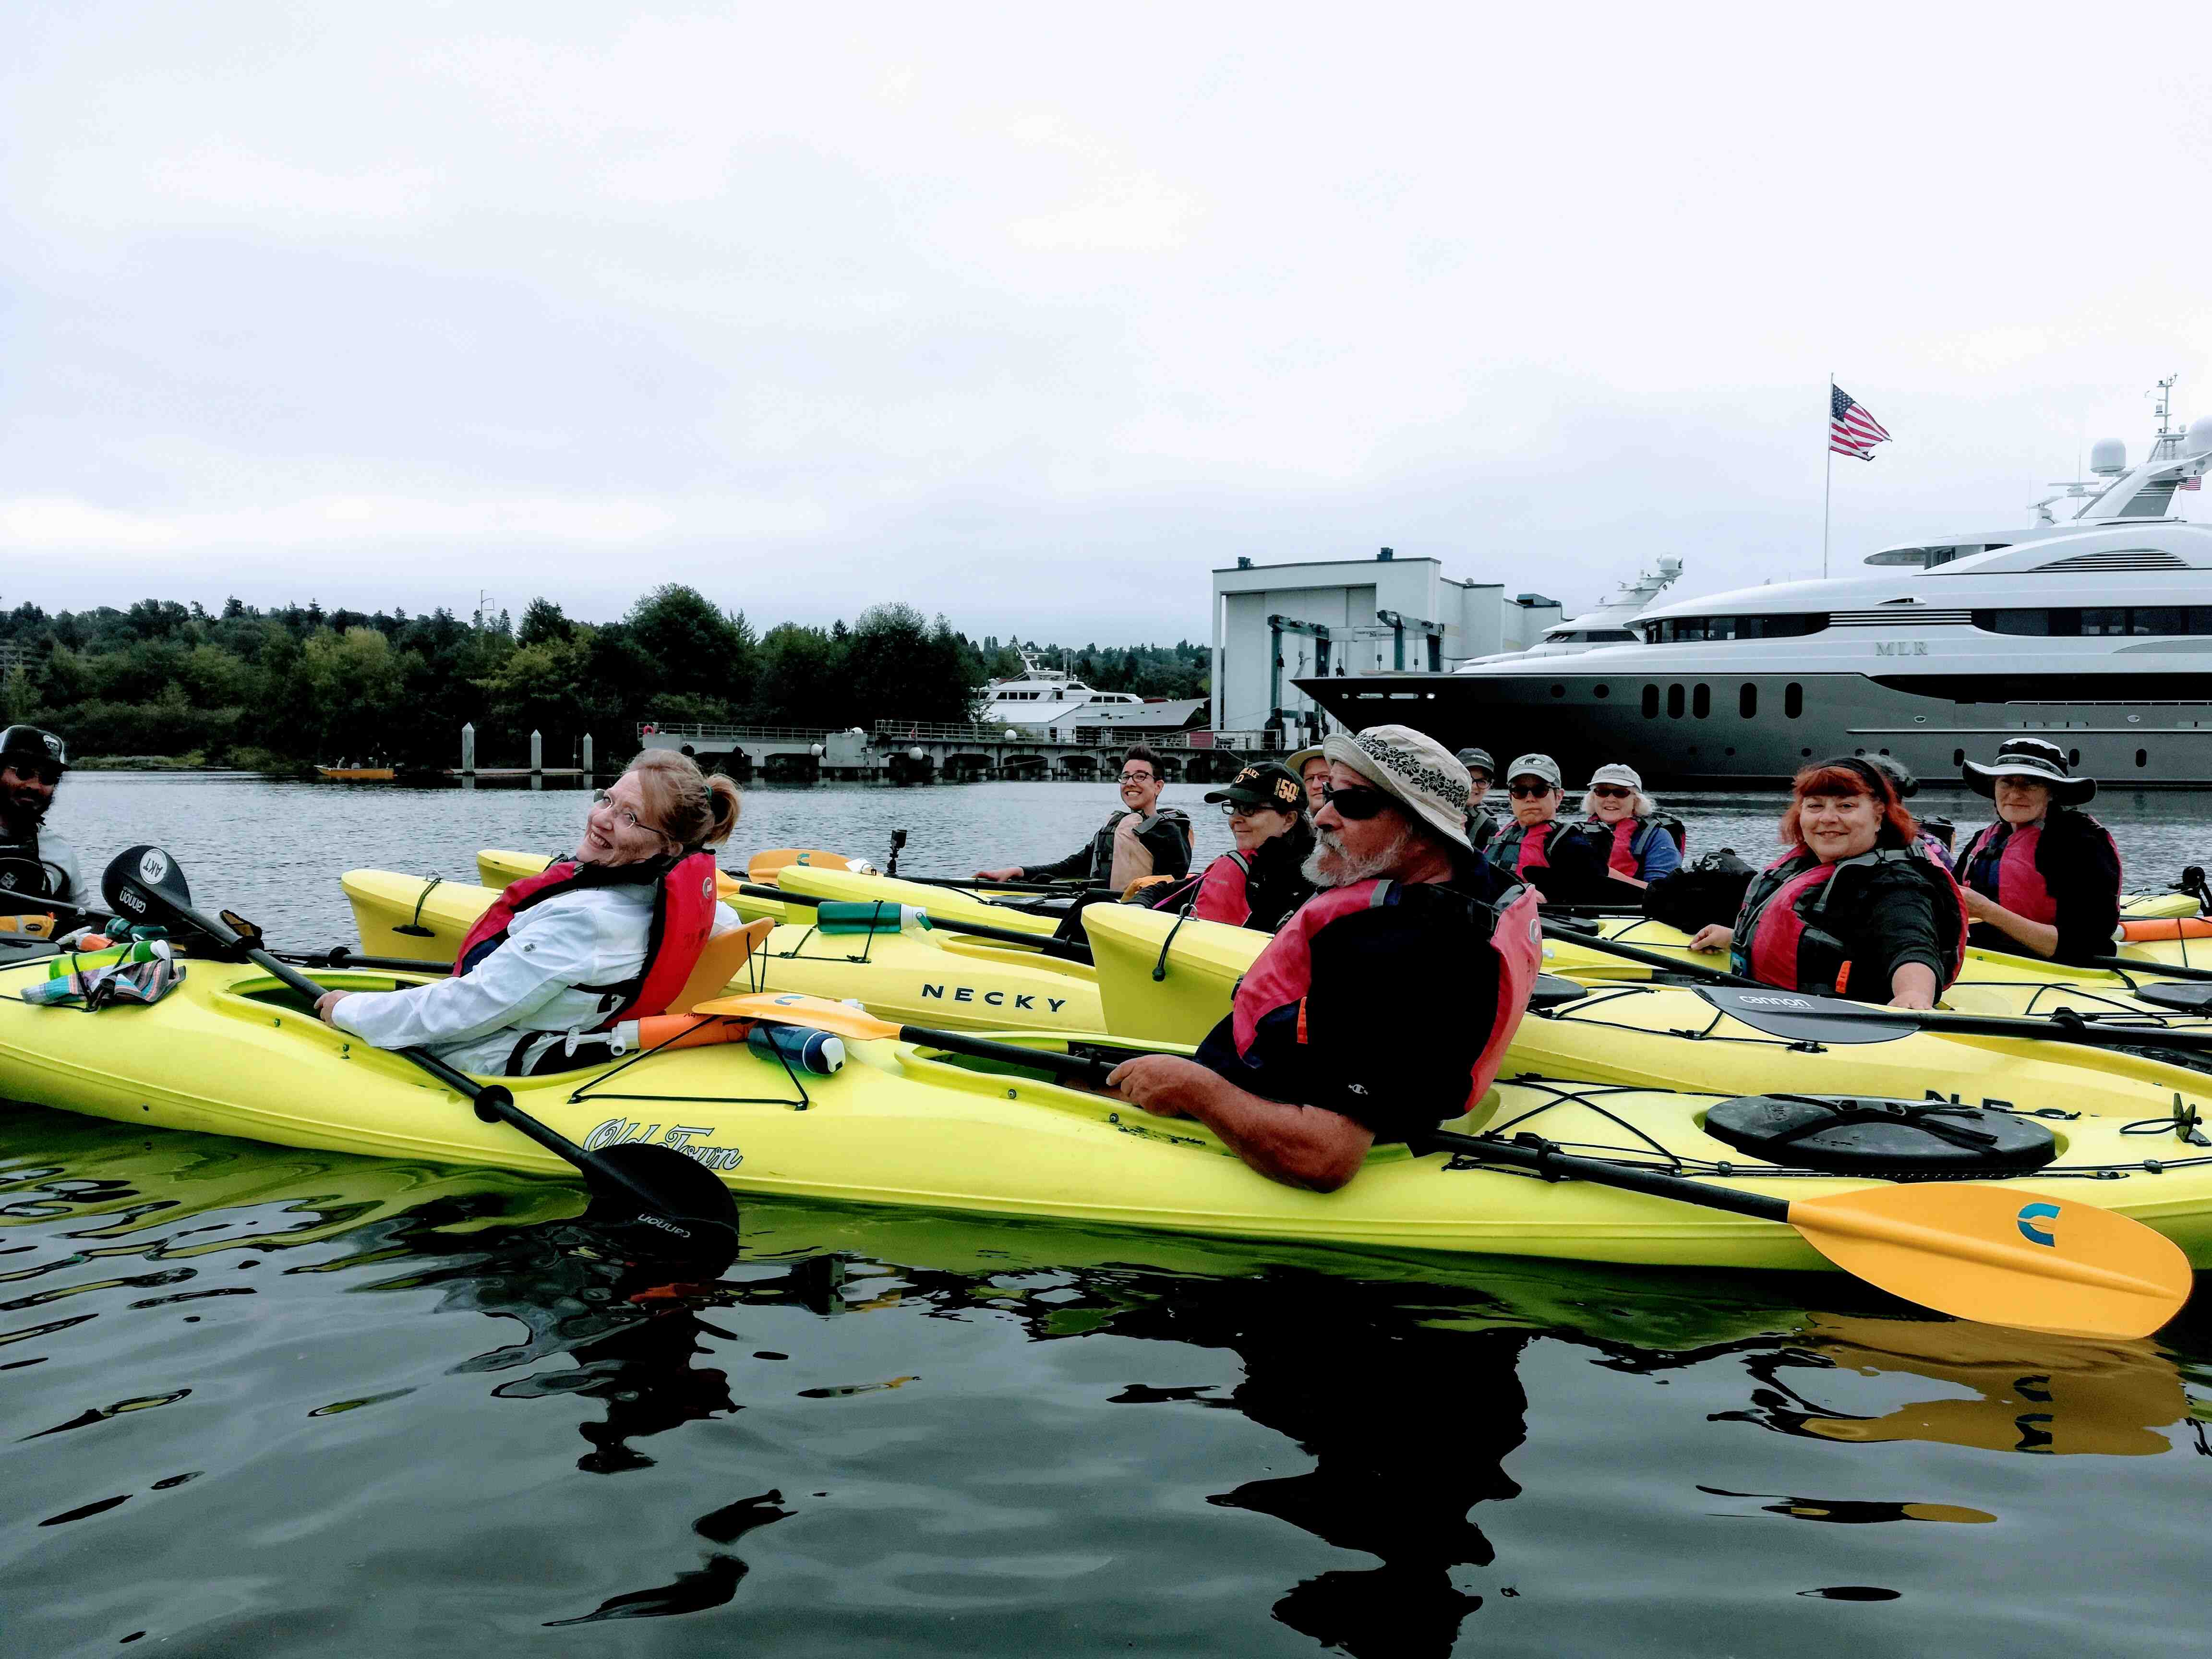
[
  {"x": 1958, "y": 757},
  {"x": 1601, "y": 691},
  {"x": 1807, "y": 753},
  {"x": 2143, "y": 756},
  {"x": 2073, "y": 757},
  {"x": 1922, "y": 719},
  {"x": 1558, "y": 690}
]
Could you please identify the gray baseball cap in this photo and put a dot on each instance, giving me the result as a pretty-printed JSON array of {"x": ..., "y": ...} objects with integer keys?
[{"x": 1535, "y": 766}]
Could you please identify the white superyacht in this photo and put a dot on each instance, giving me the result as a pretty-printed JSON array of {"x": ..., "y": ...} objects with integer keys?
[{"x": 2094, "y": 631}]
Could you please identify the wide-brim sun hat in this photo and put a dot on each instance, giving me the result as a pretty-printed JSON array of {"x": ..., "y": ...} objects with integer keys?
[
  {"x": 1417, "y": 772},
  {"x": 1297, "y": 762},
  {"x": 2031, "y": 760}
]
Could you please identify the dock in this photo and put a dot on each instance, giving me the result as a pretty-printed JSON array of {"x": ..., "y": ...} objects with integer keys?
[{"x": 921, "y": 751}]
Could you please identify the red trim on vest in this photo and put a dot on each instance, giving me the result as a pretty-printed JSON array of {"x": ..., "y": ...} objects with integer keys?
[
  {"x": 1284, "y": 972},
  {"x": 1623, "y": 854},
  {"x": 683, "y": 920},
  {"x": 1528, "y": 843}
]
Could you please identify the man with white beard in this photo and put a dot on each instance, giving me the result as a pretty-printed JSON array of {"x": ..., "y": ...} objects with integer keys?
[{"x": 1383, "y": 1007}]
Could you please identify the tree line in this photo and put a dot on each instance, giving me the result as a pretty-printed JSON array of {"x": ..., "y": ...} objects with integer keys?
[{"x": 266, "y": 689}]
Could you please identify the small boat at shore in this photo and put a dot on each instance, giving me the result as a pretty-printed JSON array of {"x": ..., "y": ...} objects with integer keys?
[{"x": 358, "y": 773}]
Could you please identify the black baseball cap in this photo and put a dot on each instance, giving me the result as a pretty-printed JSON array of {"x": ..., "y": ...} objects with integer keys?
[
  {"x": 47, "y": 750},
  {"x": 1264, "y": 783}
]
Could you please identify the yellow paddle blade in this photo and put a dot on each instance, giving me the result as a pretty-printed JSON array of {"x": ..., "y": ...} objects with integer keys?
[
  {"x": 792, "y": 1008},
  {"x": 762, "y": 866},
  {"x": 2004, "y": 1255}
]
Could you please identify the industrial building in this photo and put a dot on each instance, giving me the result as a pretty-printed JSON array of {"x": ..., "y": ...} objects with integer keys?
[{"x": 1275, "y": 623}]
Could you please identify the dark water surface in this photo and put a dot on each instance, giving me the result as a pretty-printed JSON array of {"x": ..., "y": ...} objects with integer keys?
[{"x": 262, "y": 1401}]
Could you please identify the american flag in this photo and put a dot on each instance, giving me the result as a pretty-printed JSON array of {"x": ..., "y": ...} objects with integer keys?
[{"x": 1851, "y": 430}]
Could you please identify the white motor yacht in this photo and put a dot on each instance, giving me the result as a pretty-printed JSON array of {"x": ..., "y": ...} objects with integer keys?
[
  {"x": 2094, "y": 631},
  {"x": 1042, "y": 696}
]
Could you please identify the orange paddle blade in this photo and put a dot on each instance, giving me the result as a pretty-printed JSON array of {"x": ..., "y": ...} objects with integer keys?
[
  {"x": 762, "y": 866},
  {"x": 2005, "y": 1256},
  {"x": 792, "y": 1008}
]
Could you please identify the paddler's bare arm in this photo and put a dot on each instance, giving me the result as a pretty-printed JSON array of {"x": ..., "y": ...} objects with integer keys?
[{"x": 1307, "y": 1146}]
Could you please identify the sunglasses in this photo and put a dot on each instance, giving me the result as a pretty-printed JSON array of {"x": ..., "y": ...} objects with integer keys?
[
  {"x": 1354, "y": 804},
  {"x": 1611, "y": 792},
  {"x": 23, "y": 766},
  {"x": 1531, "y": 791}
]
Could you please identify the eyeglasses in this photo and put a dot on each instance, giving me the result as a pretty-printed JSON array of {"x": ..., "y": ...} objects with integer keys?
[
  {"x": 1531, "y": 791},
  {"x": 1354, "y": 804},
  {"x": 1136, "y": 777},
  {"x": 1610, "y": 792},
  {"x": 623, "y": 814}
]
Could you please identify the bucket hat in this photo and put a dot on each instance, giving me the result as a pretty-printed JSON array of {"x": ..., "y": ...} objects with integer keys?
[
  {"x": 1416, "y": 771},
  {"x": 2036, "y": 761}
]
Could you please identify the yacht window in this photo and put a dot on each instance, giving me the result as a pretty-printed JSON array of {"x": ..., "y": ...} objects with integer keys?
[
  {"x": 1701, "y": 702},
  {"x": 1673, "y": 702},
  {"x": 1595, "y": 634},
  {"x": 1679, "y": 630},
  {"x": 1747, "y": 700},
  {"x": 1651, "y": 702},
  {"x": 2060, "y": 621},
  {"x": 1793, "y": 700}
]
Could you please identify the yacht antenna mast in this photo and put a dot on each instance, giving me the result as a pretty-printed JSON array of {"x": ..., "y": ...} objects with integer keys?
[{"x": 2165, "y": 410}]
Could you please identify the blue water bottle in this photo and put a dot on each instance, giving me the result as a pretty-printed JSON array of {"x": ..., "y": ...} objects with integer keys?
[{"x": 805, "y": 1049}]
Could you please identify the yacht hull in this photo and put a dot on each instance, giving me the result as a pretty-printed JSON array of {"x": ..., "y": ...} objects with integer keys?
[{"x": 1715, "y": 731}]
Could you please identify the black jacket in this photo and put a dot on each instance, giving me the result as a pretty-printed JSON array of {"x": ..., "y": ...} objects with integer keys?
[
  {"x": 1166, "y": 832},
  {"x": 2078, "y": 863}
]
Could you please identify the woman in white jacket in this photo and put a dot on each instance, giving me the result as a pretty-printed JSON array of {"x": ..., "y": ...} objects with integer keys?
[{"x": 529, "y": 999}]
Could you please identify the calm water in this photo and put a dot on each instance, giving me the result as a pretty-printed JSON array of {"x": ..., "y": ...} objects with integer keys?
[{"x": 261, "y": 1401}]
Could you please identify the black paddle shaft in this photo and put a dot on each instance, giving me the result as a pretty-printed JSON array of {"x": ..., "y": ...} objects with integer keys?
[
  {"x": 135, "y": 883},
  {"x": 1650, "y": 958}
]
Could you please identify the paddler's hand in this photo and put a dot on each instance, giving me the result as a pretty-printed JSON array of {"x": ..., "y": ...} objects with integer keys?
[
  {"x": 1011, "y": 873},
  {"x": 1979, "y": 905},
  {"x": 324, "y": 1003},
  {"x": 1712, "y": 937},
  {"x": 1153, "y": 1081}
]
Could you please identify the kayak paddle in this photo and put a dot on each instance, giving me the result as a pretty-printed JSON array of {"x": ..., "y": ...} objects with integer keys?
[
  {"x": 1972, "y": 1251},
  {"x": 1803, "y": 1016},
  {"x": 685, "y": 1204}
]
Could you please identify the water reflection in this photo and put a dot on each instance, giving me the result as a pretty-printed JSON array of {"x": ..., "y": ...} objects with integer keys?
[
  {"x": 2001, "y": 1390},
  {"x": 1372, "y": 1449}
]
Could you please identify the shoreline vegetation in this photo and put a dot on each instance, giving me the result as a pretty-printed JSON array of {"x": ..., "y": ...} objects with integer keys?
[{"x": 166, "y": 686}]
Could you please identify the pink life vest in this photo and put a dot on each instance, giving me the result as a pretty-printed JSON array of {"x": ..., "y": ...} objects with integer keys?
[
  {"x": 1778, "y": 943},
  {"x": 2020, "y": 885},
  {"x": 1284, "y": 972},
  {"x": 683, "y": 919},
  {"x": 1527, "y": 843}
]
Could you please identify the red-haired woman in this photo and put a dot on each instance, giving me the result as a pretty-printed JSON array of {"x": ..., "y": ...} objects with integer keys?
[{"x": 1856, "y": 906}]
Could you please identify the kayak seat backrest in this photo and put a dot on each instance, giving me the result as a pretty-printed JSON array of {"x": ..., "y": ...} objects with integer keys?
[{"x": 722, "y": 960}]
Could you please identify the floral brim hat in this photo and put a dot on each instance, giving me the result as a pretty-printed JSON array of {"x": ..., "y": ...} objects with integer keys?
[{"x": 1417, "y": 771}]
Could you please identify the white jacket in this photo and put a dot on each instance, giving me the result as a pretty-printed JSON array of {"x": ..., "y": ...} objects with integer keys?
[{"x": 590, "y": 936}]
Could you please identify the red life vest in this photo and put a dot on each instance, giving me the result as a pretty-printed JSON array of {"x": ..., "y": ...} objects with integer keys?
[
  {"x": 683, "y": 919},
  {"x": 1779, "y": 940},
  {"x": 1632, "y": 835},
  {"x": 2015, "y": 882},
  {"x": 1223, "y": 891},
  {"x": 1284, "y": 972}
]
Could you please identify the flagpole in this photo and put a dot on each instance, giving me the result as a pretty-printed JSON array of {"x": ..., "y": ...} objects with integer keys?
[{"x": 1828, "y": 473}]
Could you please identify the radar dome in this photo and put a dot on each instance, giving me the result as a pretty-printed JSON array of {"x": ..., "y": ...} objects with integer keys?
[
  {"x": 2200, "y": 435},
  {"x": 2108, "y": 457}
]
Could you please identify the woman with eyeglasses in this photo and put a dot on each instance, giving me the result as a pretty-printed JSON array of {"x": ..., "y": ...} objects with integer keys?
[
  {"x": 1858, "y": 907},
  {"x": 608, "y": 934},
  {"x": 1259, "y": 884},
  {"x": 35, "y": 861},
  {"x": 1640, "y": 841}
]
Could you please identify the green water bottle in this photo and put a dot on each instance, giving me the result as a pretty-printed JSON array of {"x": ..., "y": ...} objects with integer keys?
[{"x": 850, "y": 916}]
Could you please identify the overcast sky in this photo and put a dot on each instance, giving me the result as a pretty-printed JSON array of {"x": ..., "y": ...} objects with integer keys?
[{"x": 1032, "y": 316}]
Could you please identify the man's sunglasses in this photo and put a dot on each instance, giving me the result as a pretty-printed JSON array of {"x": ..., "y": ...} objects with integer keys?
[
  {"x": 25, "y": 766},
  {"x": 1528, "y": 791},
  {"x": 1354, "y": 804}
]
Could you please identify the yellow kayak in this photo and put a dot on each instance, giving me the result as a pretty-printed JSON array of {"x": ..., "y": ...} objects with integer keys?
[
  {"x": 1671, "y": 1037},
  {"x": 230, "y": 1052},
  {"x": 948, "y": 904},
  {"x": 918, "y": 979}
]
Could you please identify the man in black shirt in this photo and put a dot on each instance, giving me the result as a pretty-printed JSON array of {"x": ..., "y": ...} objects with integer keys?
[
  {"x": 1383, "y": 1007},
  {"x": 1141, "y": 840}
]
